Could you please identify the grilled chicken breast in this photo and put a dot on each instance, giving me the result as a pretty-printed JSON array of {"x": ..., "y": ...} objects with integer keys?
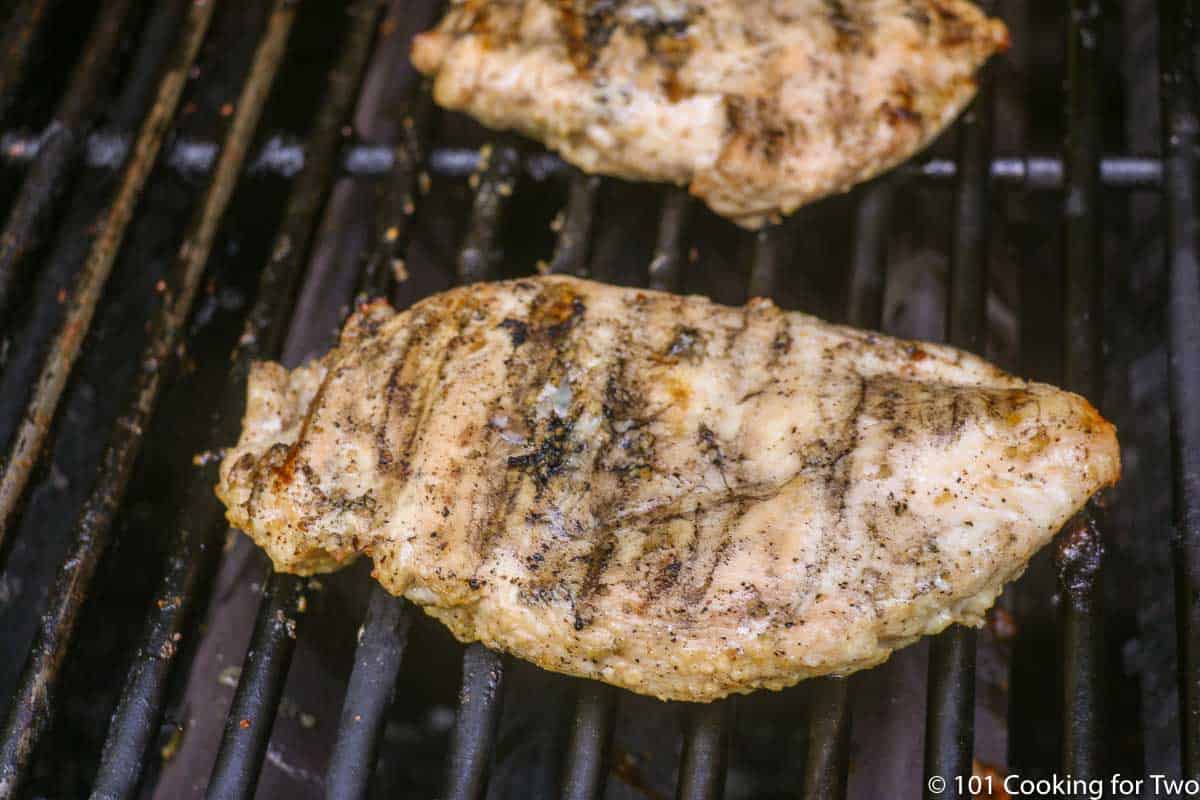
[
  {"x": 759, "y": 106},
  {"x": 676, "y": 497}
]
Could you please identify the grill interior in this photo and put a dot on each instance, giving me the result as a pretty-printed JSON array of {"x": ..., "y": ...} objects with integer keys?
[{"x": 190, "y": 185}]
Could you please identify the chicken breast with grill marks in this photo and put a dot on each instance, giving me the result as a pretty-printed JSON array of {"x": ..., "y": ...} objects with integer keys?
[
  {"x": 676, "y": 497},
  {"x": 759, "y": 106}
]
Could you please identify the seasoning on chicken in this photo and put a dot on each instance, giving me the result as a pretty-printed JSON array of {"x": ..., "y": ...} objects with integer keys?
[
  {"x": 676, "y": 497},
  {"x": 758, "y": 106}
]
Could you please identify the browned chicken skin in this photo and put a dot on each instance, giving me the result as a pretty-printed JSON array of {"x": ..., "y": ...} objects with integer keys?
[
  {"x": 676, "y": 497},
  {"x": 758, "y": 106}
]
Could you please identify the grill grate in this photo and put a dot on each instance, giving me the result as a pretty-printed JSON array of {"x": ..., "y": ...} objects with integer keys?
[
  {"x": 50, "y": 157},
  {"x": 59, "y": 144},
  {"x": 29, "y": 708},
  {"x": 280, "y": 156},
  {"x": 18, "y": 40},
  {"x": 260, "y": 688},
  {"x": 1181, "y": 131}
]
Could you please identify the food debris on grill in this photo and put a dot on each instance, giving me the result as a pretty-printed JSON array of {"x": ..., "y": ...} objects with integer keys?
[
  {"x": 676, "y": 497},
  {"x": 757, "y": 106},
  {"x": 173, "y": 743}
]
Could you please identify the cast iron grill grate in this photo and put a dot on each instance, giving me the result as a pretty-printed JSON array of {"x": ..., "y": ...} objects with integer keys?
[{"x": 164, "y": 57}]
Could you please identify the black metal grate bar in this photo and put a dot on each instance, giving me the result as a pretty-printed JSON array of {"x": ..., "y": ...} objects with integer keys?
[
  {"x": 22, "y": 27},
  {"x": 59, "y": 146},
  {"x": 1031, "y": 172},
  {"x": 135, "y": 721},
  {"x": 868, "y": 268},
  {"x": 35, "y": 422},
  {"x": 574, "y": 237},
  {"x": 260, "y": 687},
  {"x": 279, "y": 155},
  {"x": 476, "y": 723},
  {"x": 705, "y": 752},
  {"x": 950, "y": 716},
  {"x": 764, "y": 266},
  {"x": 1081, "y": 202},
  {"x": 1179, "y": 27},
  {"x": 1038, "y": 173},
  {"x": 479, "y": 256},
  {"x": 829, "y": 742},
  {"x": 966, "y": 315},
  {"x": 399, "y": 201},
  {"x": 666, "y": 267},
  {"x": 1080, "y": 549},
  {"x": 1045, "y": 173},
  {"x": 32, "y": 702},
  {"x": 256, "y": 699},
  {"x": 586, "y": 764},
  {"x": 384, "y": 631},
  {"x": 377, "y": 658}
]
